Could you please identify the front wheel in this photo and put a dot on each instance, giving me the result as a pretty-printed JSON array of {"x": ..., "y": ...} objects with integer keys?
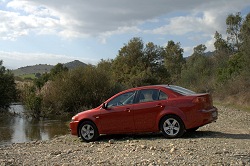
[
  {"x": 88, "y": 131},
  {"x": 172, "y": 126}
]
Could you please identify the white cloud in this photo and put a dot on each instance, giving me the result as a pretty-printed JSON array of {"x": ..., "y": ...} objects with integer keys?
[
  {"x": 81, "y": 18},
  {"x": 206, "y": 21},
  {"x": 180, "y": 26},
  {"x": 210, "y": 44},
  {"x": 187, "y": 51},
  {"x": 197, "y": 22},
  {"x": 14, "y": 25},
  {"x": 121, "y": 30},
  {"x": 14, "y": 60}
]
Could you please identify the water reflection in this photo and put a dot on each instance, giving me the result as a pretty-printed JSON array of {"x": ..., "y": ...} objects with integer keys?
[{"x": 18, "y": 128}]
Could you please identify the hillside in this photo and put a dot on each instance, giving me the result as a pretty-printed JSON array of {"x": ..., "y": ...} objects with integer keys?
[
  {"x": 74, "y": 64},
  {"x": 43, "y": 68}
]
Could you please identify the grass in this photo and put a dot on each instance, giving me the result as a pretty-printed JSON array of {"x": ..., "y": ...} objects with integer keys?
[{"x": 27, "y": 76}]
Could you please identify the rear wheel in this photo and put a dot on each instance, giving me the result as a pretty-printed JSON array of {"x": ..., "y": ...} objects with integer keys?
[
  {"x": 88, "y": 131},
  {"x": 172, "y": 126}
]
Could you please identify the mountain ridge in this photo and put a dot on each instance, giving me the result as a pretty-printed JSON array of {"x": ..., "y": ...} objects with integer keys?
[{"x": 45, "y": 68}]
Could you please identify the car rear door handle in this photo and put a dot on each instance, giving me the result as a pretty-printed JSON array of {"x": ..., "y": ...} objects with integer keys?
[{"x": 127, "y": 110}]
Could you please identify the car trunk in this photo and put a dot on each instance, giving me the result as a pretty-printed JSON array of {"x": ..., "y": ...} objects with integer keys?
[{"x": 203, "y": 101}]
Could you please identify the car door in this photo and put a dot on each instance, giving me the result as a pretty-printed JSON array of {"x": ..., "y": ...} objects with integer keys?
[
  {"x": 148, "y": 106},
  {"x": 118, "y": 116}
]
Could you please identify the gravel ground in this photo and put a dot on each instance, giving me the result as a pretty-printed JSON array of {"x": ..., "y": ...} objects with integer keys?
[{"x": 226, "y": 142}]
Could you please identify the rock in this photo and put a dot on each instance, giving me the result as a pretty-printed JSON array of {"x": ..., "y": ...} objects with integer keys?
[
  {"x": 111, "y": 141},
  {"x": 143, "y": 146},
  {"x": 56, "y": 153},
  {"x": 172, "y": 150}
]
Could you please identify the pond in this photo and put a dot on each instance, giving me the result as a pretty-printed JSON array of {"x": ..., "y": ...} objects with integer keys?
[{"x": 18, "y": 128}]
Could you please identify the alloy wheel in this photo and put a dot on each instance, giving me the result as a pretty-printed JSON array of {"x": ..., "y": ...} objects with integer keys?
[
  {"x": 171, "y": 127},
  {"x": 87, "y": 132}
]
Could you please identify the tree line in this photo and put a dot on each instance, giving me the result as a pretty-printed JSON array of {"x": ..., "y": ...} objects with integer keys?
[{"x": 225, "y": 73}]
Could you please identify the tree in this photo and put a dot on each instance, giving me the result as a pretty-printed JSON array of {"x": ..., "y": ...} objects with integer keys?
[
  {"x": 245, "y": 38},
  {"x": 105, "y": 65},
  {"x": 84, "y": 87},
  {"x": 220, "y": 44},
  {"x": 54, "y": 72},
  {"x": 32, "y": 101},
  {"x": 173, "y": 60},
  {"x": 8, "y": 92},
  {"x": 39, "y": 82},
  {"x": 199, "y": 50},
  {"x": 127, "y": 62},
  {"x": 38, "y": 75},
  {"x": 234, "y": 23},
  {"x": 153, "y": 64},
  {"x": 222, "y": 51},
  {"x": 57, "y": 69},
  {"x": 199, "y": 53},
  {"x": 197, "y": 71},
  {"x": 138, "y": 64}
]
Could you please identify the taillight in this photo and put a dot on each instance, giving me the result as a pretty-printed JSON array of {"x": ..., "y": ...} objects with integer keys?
[
  {"x": 204, "y": 101},
  {"x": 199, "y": 100}
]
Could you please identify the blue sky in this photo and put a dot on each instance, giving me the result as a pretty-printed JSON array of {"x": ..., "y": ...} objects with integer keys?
[{"x": 59, "y": 31}]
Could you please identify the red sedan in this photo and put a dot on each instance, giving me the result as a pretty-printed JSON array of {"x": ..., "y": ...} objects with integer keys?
[{"x": 173, "y": 110}]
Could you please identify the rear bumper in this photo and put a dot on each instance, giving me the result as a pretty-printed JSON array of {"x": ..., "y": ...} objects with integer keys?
[
  {"x": 208, "y": 116},
  {"x": 73, "y": 127},
  {"x": 204, "y": 116},
  {"x": 211, "y": 114}
]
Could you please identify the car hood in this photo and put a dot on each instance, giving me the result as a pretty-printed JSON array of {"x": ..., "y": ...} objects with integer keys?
[{"x": 86, "y": 114}]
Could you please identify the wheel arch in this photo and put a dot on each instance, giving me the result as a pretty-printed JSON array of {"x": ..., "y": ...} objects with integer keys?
[
  {"x": 174, "y": 112},
  {"x": 84, "y": 120}
]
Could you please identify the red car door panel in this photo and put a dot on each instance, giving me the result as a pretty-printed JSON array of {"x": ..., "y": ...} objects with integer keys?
[
  {"x": 117, "y": 119},
  {"x": 145, "y": 115}
]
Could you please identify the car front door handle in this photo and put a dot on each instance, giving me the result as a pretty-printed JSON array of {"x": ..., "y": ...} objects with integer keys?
[{"x": 159, "y": 105}]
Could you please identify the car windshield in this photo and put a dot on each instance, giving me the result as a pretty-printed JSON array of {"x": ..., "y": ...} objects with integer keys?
[{"x": 180, "y": 90}]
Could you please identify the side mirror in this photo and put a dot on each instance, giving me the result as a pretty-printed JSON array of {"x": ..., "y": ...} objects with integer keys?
[{"x": 105, "y": 106}]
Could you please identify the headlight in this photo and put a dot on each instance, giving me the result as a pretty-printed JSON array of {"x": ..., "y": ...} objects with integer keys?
[{"x": 74, "y": 118}]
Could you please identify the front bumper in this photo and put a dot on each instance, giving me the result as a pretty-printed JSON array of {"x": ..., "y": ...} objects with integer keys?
[{"x": 73, "y": 127}]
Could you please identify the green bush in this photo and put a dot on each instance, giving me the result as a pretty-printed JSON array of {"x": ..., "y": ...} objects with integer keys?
[
  {"x": 85, "y": 87},
  {"x": 8, "y": 92},
  {"x": 32, "y": 101}
]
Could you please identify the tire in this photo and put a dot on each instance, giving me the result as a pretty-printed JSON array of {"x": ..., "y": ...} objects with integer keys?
[
  {"x": 192, "y": 129},
  {"x": 88, "y": 131},
  {"x": 172, "y": 126}
]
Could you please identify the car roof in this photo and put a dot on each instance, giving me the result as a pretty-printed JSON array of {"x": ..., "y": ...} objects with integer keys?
[{"x": 174, "y": 88}]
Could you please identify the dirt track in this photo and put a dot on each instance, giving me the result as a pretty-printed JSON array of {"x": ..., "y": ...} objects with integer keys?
[{"x": 226, "y": 142}]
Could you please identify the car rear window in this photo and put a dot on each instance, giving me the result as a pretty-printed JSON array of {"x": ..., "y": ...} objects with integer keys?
[{"x": 180, "y": 90}]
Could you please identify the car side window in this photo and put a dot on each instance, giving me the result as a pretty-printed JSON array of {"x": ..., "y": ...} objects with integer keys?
[
  {"x": 148, "y": 95},
  {"x": 163, "y": 96},
  {"x": 123, "y": 99}
]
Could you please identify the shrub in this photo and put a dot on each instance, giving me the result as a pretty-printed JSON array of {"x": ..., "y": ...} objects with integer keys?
[
  {"x": 32, "y": 101},
  {"x": 8, "y": 92},
  {"x": 85, "y": 87}
]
